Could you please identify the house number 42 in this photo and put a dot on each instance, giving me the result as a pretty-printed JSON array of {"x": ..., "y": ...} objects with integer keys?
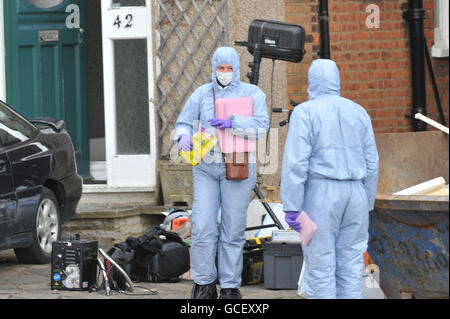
[{"x": 128, "y": 19}]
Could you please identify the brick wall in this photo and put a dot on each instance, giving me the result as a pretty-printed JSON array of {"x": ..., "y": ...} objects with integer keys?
[{"x": 374, "y": 63}]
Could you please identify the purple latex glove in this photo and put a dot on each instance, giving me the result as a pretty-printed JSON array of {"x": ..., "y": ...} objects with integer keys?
[
  {"x": 185, "y": 143},
  {"x": 291, "y": 219},
  {"x": 219, "y": 123}
]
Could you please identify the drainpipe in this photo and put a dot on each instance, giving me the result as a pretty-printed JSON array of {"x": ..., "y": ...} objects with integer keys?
[
  {"x": 415, "y": 14},
  {"x": 324, "y": 30}
]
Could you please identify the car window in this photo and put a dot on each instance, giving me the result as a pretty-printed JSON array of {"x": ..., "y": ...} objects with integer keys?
[{"x": 13, "y": 128}]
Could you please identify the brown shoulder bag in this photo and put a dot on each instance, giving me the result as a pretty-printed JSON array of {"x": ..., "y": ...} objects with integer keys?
[{"x": 236, "y": 163}]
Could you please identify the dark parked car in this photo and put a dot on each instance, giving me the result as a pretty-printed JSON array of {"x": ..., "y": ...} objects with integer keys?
[{"x": 39, "y": 185}]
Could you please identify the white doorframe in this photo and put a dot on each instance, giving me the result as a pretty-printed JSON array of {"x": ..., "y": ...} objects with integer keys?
[
  {"x": 2, "y": 55},
  {"x": 440, "y": 47},
  {"x": 127, "y": 170}
]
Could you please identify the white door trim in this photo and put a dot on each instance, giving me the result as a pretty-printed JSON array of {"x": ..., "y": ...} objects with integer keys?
[
  {"x": 2, "y": 55},
  {"x": 127, "y": 170},
  {"x": 440, "y": 47}
]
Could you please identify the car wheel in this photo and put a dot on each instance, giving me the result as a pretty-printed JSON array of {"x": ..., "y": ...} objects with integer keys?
[{"x": 46, "y": 229}]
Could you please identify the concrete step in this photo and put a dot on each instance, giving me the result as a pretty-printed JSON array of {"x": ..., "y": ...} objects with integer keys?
[
  {"x": 109, "y": 224},
  {"x": 101, "y": 195}
]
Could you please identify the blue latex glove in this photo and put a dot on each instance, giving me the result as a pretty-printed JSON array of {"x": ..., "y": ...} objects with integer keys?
[
  {"x": 185, "y": 143},
  {"x": 291, "y": 219},
  {"x": 219, "y": 123}
]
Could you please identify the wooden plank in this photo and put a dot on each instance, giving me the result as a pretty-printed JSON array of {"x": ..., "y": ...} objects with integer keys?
[
  {"x": 440, "y": 192},
  {"x": 423, "y": 188}
]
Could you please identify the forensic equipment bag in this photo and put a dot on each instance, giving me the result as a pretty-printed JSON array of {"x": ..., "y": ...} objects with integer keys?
[{"x": 157, "y": 256}]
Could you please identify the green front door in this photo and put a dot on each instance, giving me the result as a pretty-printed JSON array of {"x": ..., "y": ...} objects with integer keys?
[{"x": 46, "y": 65}]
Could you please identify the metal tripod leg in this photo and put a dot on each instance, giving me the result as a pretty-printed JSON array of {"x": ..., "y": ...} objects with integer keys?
[
  {"x": 129, "y": 283},
  {"x": 105, "y": 276},
  {"x": 269, "y": 211}
]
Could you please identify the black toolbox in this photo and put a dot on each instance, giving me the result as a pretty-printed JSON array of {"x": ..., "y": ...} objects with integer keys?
[{"x": 282, "y": 264}]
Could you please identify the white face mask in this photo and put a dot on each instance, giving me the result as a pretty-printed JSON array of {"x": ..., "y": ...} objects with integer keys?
[{"x": 224, "y": 77}]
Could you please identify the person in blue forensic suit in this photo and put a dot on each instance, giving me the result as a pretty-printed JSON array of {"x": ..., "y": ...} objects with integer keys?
[
  {"x": 330, "y": 171},
  {"x": 211, "y": 188}
]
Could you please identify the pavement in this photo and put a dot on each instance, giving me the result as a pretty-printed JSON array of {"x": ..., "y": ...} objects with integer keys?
[{"x": 23, "y": 281}]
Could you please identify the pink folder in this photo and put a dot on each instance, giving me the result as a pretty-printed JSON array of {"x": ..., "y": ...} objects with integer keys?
[
  {"x": 224, "y": 108},
  {"x": 308, "y": 228}
]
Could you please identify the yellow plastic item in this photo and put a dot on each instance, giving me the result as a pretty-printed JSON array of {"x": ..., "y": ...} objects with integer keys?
[{"x": 203, "y": 142}]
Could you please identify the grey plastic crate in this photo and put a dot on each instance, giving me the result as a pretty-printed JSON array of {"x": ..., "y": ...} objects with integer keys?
[{"x": 282, "y": 265}]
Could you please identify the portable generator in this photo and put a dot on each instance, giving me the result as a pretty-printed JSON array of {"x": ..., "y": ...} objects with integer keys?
[{"x": 74, "y": 264}]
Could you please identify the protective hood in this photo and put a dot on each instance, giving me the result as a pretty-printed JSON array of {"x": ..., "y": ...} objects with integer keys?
[
  {"x": 229, "y": 56},
  {"x": 323, "y": 79}
]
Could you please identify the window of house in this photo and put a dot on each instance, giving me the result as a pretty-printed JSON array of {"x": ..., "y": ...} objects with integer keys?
[
  {"x": 440, "y": 46},
  {"x": 129, "y": 3}
]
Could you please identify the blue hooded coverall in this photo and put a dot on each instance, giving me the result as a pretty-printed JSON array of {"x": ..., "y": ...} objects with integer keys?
[
  {"x": 330, "y": 170},
  {"x": 211, "y": 188}
]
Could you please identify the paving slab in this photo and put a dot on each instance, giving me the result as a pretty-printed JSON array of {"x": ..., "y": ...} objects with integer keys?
[{"x": 21, "y": 281}]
